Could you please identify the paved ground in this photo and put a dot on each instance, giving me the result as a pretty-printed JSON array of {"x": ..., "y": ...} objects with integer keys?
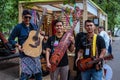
[
  {"x": 9, "y": 70},
  {"x": 115, "y": 63}
]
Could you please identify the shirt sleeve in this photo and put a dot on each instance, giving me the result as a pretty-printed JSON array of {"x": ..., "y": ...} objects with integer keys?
[
  {"x": 48, "y": 43},
  {"x": 100, "y": 43},
  {"x": 79, "y": 41},
  {"x": 13, "y": 35},
  {"x": 106, "y": 38}
]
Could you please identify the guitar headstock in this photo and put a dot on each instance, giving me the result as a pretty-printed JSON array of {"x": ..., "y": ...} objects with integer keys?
[
  {"x": 44, "y": 11},
  {"x": 108, "y": 57}
]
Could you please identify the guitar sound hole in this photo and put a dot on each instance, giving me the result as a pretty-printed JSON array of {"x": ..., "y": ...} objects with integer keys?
[{"x": 35, "y": 38}]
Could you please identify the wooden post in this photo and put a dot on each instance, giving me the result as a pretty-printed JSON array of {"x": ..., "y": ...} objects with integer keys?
[
  {"x": 20, "y": 8},
  {"x": 99, "y": 17},
  {"x": 106, "y": 23},
  {"x": 85, "y": 13}
]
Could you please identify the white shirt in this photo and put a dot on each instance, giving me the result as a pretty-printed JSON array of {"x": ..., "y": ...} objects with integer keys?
[{"x": 106, "y": 38}]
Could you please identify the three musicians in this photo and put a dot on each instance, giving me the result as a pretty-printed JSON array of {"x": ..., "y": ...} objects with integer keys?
[{"x": 31, "y": 66}]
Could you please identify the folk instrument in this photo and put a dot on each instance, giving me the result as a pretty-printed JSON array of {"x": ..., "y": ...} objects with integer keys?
[
  {"x": 3, "y": 39},
  {"x": 33, "y": 45},
  {"x": 6, "y": 44},
  {"x": 85, "y": 64},
  {"x": 62, "y": 47}
]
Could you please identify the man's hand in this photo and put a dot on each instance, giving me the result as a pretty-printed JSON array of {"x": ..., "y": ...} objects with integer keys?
[
  {"x": 19, "y": 47},
  {"x": 76, "y": 61},
  {"x": 71, "y": 38},
  {"x": 48, "y": 65}
]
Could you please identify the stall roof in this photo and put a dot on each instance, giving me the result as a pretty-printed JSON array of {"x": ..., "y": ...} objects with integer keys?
[
  {"x": 98, "y": 7},
  {"x": 56, "y": 5},
  {"x": 37, "y": 1},
  {"x": 90, "y": 9}
]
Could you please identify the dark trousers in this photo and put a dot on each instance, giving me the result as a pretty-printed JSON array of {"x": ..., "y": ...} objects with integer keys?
[
  {"x": 25, "y": 76},
  {"x": 78, "y": 76}
]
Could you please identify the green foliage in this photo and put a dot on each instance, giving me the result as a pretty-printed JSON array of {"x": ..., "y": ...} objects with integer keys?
[
  {"x": 112, "y": 8},
  {"x": 69, "y": 1},
  {"x": 8, "y": 14}
]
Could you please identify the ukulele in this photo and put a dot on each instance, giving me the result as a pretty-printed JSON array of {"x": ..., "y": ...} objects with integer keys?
[
  {"x": 33, "y": 45},
  {"x": 85, "y": 64}
]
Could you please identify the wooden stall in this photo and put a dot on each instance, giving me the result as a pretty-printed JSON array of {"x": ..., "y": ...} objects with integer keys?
[{"x": 54, "y": 10}]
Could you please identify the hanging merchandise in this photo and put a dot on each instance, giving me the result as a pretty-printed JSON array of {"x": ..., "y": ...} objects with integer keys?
[
  {"x": 71, "y": 17},
  {"x": 33, "y": 19}
]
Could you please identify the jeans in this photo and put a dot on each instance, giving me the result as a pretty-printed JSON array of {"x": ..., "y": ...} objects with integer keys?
[
  {"x": 24, "y": 76},
  {"x": 110, "y": 49},
  {"x": 92, "y": 74}
]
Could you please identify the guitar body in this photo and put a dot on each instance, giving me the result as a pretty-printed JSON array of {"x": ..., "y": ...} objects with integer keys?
[
  {"x": 83, "y": 65},
  {"x": 33, "y": 47}
]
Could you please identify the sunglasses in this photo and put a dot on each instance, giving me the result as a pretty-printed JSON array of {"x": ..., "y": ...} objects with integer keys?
[{"x": 27, "y": 17}]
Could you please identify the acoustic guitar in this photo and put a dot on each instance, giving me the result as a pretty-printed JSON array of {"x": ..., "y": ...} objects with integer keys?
[
  {"x": 33, "y": 45},
  {"x": 85, "y": 64}
]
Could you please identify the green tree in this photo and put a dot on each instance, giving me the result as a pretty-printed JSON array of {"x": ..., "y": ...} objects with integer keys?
[
  {"x": 112, "y": 8},
  {"x": 8, "y": 14}
]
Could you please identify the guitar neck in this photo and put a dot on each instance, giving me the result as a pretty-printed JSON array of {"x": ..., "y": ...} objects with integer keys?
[
  {"x": 95, "y": 61},
  {"x": 40, "y": 24},
  {"x": 41, "y": 21},
  {"x": 109, "y": 57}
]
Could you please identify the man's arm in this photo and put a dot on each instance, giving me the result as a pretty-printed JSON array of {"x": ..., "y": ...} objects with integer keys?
[
  {"x": 72, "y": 45},
  {"x": 47, "y": 57},
  {"x": 102, "y": 47},
  {"x": 102, "y": 54},
  {"x": 80, "y": 54},
  {"x": 48, "y": 51},
  {"x": 13, "y": 35}
]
